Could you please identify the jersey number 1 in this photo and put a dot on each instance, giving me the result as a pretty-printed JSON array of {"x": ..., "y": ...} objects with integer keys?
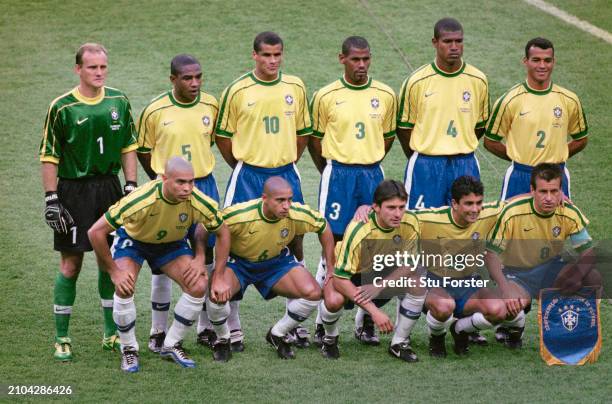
[{"x": 100, "y": 141}]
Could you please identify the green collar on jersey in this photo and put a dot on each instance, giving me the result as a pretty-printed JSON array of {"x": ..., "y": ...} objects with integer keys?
[
  {"x": 538, "y": 214},
  {"x": 354, "y": 87},
  {"x": 266, "y": 83},
  {"x": 261, "y": 214},
  {"x": 383, "y": 229},
  {"x": 182, "y": 104},
  {"x": 537, "y": 92},
  {"x": 161, "y": 194},
  {"x": 446, "y": 74}
]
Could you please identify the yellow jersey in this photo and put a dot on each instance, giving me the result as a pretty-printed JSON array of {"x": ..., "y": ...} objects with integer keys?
[
  {"x": 354, "y": 121},
  {"x": 443, "y": 109},
  {"x": 168, "y": 128},
  {"x": 147, "y": 216},
  {"x": 263, "y": 119},
  {"x": 440, "y": 234},
  {"x": 258, "y": 238},
  {"x": 362, "y": 242},
  {"x": 536, "y": 124},
  {"x": 525, "y": 238}
]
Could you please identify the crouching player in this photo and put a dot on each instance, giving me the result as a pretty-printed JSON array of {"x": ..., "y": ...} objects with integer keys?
[
  {"x": 528, "y": 240},
  {"x": 152, "y": 223},
  {"x": 390, "y": 228},
  {"x": 459, "y": 230},
  {"x": 260, "y": 231}
]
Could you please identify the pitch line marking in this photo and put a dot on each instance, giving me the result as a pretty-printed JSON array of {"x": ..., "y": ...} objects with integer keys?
[{"x": 571, "y": 19}]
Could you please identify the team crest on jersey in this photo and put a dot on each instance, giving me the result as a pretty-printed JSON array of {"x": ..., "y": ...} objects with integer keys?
[
  {"x": 397, "y": 239},
  {"x": 475, "y": 235},
  {"x": 467, "y": 96},
  {"x": 556, "y": 231},
  {"x": 557, "y": 112},
  {"x": 569, "y": 317},
  {"x": 114, "y": 115},
  {"x": 183, "y": 217},
  {"x": 284, "y": 232},
  {"x": 206, "y": 120},
  {"x": 375, "y": 102},
  {"x": 289, "y": 99}
]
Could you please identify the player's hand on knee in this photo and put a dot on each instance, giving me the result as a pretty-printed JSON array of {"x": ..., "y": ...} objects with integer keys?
[
  {"x": 220, "y": 291},
  {"x": 192, "y": 273},
  {"x": 568, "y": 284},
  {"x": 56, "y": 216},
  {"x": 382, "y": 321},
  {"x": 124, "y": 282},
  {"x": 513, "y": 306}
]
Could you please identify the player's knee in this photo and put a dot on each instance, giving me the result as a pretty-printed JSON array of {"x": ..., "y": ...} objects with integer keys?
[
  {"x": 593, "y": 279},
  {"x": 334, "y": 301},
  {"x": 70, "y": 267},
  {"x": 198, "y": 289},
  {"x": 495, "y": 311},
  {"x": 312, "y": 291},
  {"x": 442, "y": 309}
]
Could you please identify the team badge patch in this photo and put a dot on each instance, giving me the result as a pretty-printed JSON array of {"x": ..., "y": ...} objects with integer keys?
[
  {"x": 183, "y": 217},
  {"x": 556, "y": 231},
  {"x": 467, "y": 96},
  {"x": 570, "y": 329},
  {"x": 206, "y": 120},
  {"x": 289, "y": 99},
  {"x": 284, "y": 232},
  {"x": 475, "y": 235},
  {"x": 114, "y": 115},
  {"x": 375, "y": 103},
  {"x": 557, "y": 112},
  {"x": 397, "y": 239}
]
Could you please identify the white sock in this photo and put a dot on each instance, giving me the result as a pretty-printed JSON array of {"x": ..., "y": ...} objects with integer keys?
[
  {"x": 185, "y": 313},
  {"x": 233, "y": 321},
  {"x": 518, "y": 321},
  {"x": 161, "y": 296},
  {"x": 320, "y": 278},
  {"x": 124, "y": 314},
  {"x": 475, "y": 322},
  {"x": 437, "y": 327},
  {"x": 297, "y": 311},
  {"x": 330, "y": 320},
  {"x": 361, "y": 313},
  {"x": 218, "y": 313},
  {"x": 410, "y": 311}
]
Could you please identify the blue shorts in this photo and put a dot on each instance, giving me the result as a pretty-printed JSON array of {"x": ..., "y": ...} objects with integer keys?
[
  {"x": 247, "y": 181},
  {"x": 428, "y": 179},
  {"x": 460, "y": 294},
  {"x": 157, "y": 255},
  {"x": 541, "y": 277},
  {"x": 518, "y": 181},
  {"x": 344, "y": 188},
  {"x": 263, "y": 274},
  {"x": 208, "y": 185}
]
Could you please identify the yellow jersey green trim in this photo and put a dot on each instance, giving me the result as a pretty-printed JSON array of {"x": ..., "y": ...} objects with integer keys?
[
  {"x": 538, "y": 92},
  {"x": 355, "y": 87},
  {"x": 182, "y": 104},
  {"x": 261, "y": 214},
  {"x": 266, "y": 83},
  {"x": 445, "y": 74}
]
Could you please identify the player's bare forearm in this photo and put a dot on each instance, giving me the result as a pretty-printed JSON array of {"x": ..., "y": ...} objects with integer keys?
[
  {"x": 225, "y": 148},
  {"x": 145, "y": 162},
  {"x": 98, "y": 234},
  {"x": 222, "y": 248},
  {"x": 49, "y": 176},
  {"x": 576, "y": 146},
  {"x": 327, "y": 242},
  {"x": 302, "y": 142},
  {"x": 388, "y": 143},
  {"x": 497, "y": 148},
  {"x": 347, "y": 289},
  {"x": 494, "y": 266},
  {"x": 199, "y": 247},
  {"x": 128, "y": 164},
  {"x": 404, "y": 138},
  {"x": 315, "y": 150},
  {"x": 479, "y": 132}
]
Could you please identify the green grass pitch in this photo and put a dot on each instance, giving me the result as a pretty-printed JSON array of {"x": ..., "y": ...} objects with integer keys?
[{"x": 39, "y": 39}]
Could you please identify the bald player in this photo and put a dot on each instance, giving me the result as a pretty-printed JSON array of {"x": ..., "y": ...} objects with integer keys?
[
  {"x": 261, "y": 230},
  {"x": 152, "y": 224}
]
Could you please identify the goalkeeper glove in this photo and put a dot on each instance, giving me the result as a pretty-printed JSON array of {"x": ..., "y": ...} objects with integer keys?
[
  {"x": 56, "y": 216},
  {"x": 129, "y": 187}
]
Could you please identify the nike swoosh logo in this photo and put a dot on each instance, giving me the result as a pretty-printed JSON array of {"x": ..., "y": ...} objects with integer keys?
[
  {"x": 524, "y": 113},
  {"x": 529, "y": 229},
  {"x": 250, "y": 104},
  {"x": 166, "y": 123},
  {"x": 440, "y": 238},
  {"x": 253, "y": 232},
  {"x": 429, "y": 94},
  {"x": 80, "y": 121},
  {"x": 340, "y": 102},
  {"x": 153, "y": 214},
  {"x": 61, "y": 310}
]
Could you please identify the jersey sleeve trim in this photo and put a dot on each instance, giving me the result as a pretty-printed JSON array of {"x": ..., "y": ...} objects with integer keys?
[
  {"x": 223, "y": 133},
  {"x": 305, "y": 131},
  {"x": 130, "y": 148},
  {"x": 405, "y": 125},
  {"x": 49, "y": 159},
  {"x": 493, "y": 137},
  {"x": 318, "y": 134},
  {"x": 342, "y": 274},
  {"x": 580, "y": 135},
  {"x": 110, "y": 221},
  {"x": 143, "y": 150},
  {"x": 389, "y": 134}
]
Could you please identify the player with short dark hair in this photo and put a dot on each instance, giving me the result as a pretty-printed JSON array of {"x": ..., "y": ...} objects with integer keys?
[
  {"x": 179, "y": 122},
  {"x": 531, "y": 122},
  {"x": 151, "y": 224},
  {"x": 261, "y": 230},
  {"x": 528, "y": 240},
  {"x": 389, "y": 229},
  {"x": 262, "y": 131},
  {"x": 353, "y": 129},
  {"x": 88, "y": 137},
  {"x": 443, "y": 110}
]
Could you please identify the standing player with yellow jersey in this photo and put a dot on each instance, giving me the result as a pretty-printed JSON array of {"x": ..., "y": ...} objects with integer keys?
[
  {"x": 262, "y": 131},
  {"x": 261, "y": 230},
  {"x": 443, "y": 110},
  {"x": 535, "y": 119},
  {"x": 179, "y": 122},
  {"x": 151, "y": 224},
  {"x": 528, "y": 240},
  {"x": 353, "y": 129}
]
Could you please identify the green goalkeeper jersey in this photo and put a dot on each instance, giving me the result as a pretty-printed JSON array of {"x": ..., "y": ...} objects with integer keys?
[{"x": 85, "y": 136}]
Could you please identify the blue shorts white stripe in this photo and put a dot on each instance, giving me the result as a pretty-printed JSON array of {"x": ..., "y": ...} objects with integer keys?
[
  {"x": 541, "y": 277},
  {"x": 461, "y": 295}
]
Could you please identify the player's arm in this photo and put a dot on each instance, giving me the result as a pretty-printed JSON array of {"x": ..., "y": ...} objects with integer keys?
[
  {"x": 494, "y": 266},
  {"x": 56, "y": 215},
  {"x": 197, "y": 267},
  {"x": 403, "y": 134},
  {"x": 326, "y": 238},
  {"x": 220, "y": 291},
  {"x": 145, "y": 162},
  {"x": 388, "y": 143},
  {"x": 98, "y": 237},
  {"x": 225, "y": 148},
  {"x": 128, "y": 165},
  {"x": 315, "y": 150},
  {"x": 576, "y": 146},
  {"x": 479, "y": 132},
  {"x": 496, "y": 147},
  {"x": 302, "y": 142}
]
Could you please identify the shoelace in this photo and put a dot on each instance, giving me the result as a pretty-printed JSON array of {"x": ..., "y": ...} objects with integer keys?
[
  {"x": 403, "y": 345},
  {"x": 130, "y": 357}
]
